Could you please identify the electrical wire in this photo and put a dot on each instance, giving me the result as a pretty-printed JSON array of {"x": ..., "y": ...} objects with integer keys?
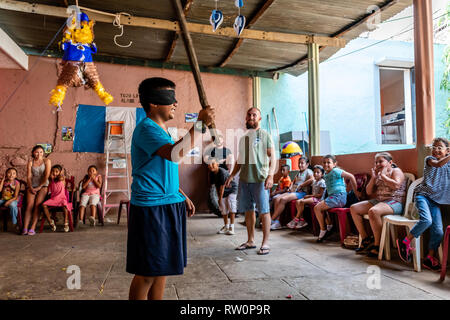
[{"x": 376, "y": 43}]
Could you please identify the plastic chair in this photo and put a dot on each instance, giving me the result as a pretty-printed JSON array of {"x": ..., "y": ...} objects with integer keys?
[
  {"x": 445, "y": 253},
  {"x": 390, "y": 221},
  {"x": 20, "y": 204},
  {"x": 70, "y": 192},
  {"x": 100, "y": 214},
  {"x": 122, "y": 202}
]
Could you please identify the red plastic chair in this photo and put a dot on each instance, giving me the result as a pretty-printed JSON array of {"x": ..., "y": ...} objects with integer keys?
[
  {"x": 70, "y": 183},
  {"x": 20, "y": 204},
  {"x": 445, "y": 253},
  {"x": 293, "y": 212},
  {"x": 361, "y": 181}
]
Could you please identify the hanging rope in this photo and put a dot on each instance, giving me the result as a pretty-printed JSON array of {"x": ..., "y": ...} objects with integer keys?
[{"x": 116, "y": 23}]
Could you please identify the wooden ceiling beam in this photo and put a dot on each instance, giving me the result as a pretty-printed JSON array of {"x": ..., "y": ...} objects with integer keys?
[
  {"x": 187, "y": 7},
  {"x": 239, "y": 42},
  {"x": 174, "y": 26},
  {"x": 340, "y": 33}
]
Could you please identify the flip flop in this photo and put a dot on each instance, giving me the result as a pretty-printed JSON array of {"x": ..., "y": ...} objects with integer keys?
[
  {"x": 31, "y": 232},
  {"x": 263, "y": 251},
  {"x": 245, "y": 246}
]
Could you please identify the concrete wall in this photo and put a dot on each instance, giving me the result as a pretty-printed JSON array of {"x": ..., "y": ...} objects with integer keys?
[
  {"x": 349, "y": 96},
  {"x": 28, "y": 119}
]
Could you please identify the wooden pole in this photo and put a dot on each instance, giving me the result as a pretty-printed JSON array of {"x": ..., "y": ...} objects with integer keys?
[{"x": 192, "y": 59}]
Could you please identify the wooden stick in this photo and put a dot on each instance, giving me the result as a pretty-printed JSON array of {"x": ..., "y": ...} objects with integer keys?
[{"x": 192, "y": 59}]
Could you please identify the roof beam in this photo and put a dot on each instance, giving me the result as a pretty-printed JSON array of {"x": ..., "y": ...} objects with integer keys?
[
  {"x": 12, "y": 50},
  {"x": 186, "y": 9},
  {"x": 253, "y": 20},
  {"x": 340, "y": 33},
  {"x": 174, "y": 26}
]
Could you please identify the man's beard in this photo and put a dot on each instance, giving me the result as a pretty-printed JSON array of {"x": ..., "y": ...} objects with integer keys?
[{"x": 251, "y": 126}]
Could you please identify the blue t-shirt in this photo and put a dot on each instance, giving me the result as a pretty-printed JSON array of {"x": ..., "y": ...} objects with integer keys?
[
  {"x": 155, "y": 179},
  {"x": 436, "y": 182},
  {"x": 334, "y": 181}
]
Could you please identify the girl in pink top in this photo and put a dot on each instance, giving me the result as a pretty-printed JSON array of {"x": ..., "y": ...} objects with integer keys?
[
  {"x": 92, "y": 183},
  {"x": 58, "y": 198}
]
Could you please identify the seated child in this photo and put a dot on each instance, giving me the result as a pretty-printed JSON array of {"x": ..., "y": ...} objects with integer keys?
[
  {"x": 299, "y": 188},
  {"x": 318, "y": 193},
  {"x": 337, "y": 193},
  {"x": 227, "y": 196},
  {"x": 57, "y": 190},
  {"x": 92, "y": 183},
  {"x": 283, "y": 184},
  {"x": 429, "y": 195},
  {"x": 10, "y": 188}
]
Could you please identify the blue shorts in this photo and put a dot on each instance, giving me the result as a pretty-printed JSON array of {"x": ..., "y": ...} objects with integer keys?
[
  {"x": 300, "y": 195},
  {"x": 396, "y": 206},
  {"x": 156, "y": 243},
  {"x": 251, "y": 195},
  {"x": 337, "y": 200}
]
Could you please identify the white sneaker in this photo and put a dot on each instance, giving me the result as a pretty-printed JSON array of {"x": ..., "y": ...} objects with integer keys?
[
  {"x": 301, "y": 224},
  {"x": 66, "y": 227},
  {"x": 223, "y": 230},
  {"x": 92, "y": 221},
  {"x": 276, "y": 225},
  {"x": 292, "y": 224},
  {"x": 230, "y": 232}
]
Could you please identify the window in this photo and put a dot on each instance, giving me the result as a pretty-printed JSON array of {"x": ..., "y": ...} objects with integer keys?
[{"x": 396, "y": 104}]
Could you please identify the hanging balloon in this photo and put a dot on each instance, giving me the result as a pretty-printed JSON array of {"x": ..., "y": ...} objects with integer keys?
[
  {"x": 239, "y": 3},
  {"x": 216, "y": 19},
  {"x": 239, "y": 24}
]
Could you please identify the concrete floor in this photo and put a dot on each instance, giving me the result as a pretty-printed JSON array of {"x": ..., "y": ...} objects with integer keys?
[{"x": 35, "y": 267}]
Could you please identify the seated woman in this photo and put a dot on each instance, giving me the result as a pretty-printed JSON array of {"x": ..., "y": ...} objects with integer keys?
[
  {"x": 298, "y": 189},
  {"x": 38, "y": 172},
  {"x": 388, "y": 185}
]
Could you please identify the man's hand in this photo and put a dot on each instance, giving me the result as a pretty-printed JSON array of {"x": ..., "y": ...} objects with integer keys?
[
  {"x": 228, "y": 182},
  {"x": 269, "y": 182},
  {"x": 190, "y": 208},
  {"x": 7, "y": 203},
  {"x": 207, "y": 115}
]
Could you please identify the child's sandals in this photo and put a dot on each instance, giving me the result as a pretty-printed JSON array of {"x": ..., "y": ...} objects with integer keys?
[
  {"x": 66, "y": 227},
  {"x": 53, "y": 225}
]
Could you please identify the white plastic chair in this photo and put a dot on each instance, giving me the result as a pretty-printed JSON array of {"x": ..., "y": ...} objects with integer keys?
[
  {"x": 411, "y": 178},
  {"x": 390, "y": 221}
]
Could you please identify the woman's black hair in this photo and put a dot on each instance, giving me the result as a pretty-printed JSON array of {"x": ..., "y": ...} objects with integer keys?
[
  {"x": 92, "y": 166},
  {"x": 387, "y": 156},
  {"x": 318, "y": 166},
  {"x": 35, "y": 148}
]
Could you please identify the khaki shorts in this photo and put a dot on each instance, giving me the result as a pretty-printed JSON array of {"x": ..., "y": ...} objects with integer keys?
[{"x": 92, "y": 199}]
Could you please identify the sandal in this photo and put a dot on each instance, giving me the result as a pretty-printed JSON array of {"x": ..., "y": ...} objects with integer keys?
[
  {"x": 371, "y": 253},
  {"x": 24, "y": 232},
  {"x": 31, "y": 232},
  {"x": 66, "y": 227},
  {"x": 264, "y": 251},
  {"x": 366, "y": 244},
  {"x": 245, "y": 246},
  {"x": 52, "y": 224}
]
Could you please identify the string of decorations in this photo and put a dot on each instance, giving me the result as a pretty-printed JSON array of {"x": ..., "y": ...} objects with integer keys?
[{"x": 216, "y": 18}]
